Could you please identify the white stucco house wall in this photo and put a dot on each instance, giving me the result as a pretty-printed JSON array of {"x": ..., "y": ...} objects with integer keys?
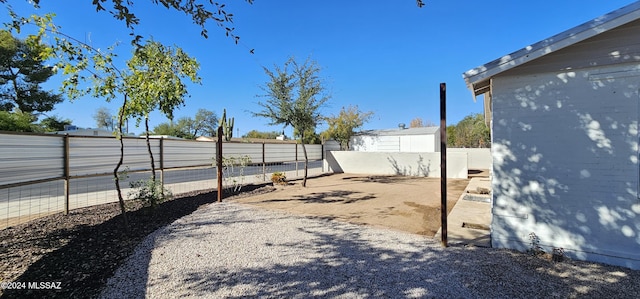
[
  {"x": 73, "y": 131},
  {"x": 406, "y": 140},
  {"x": 564, "y": 124}
]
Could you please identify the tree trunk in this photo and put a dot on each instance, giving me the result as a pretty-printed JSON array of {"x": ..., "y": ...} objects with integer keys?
[
  {"x": 153, "y": 164},
  {"x": 116, "y": 177},
  {"x": 306, "y": 161}
]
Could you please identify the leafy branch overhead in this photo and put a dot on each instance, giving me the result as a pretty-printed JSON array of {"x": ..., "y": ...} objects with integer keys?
[{"x": 201, "y": 13}]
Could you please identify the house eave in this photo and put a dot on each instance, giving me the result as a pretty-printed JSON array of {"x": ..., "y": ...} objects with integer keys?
[{"x": 478, "y": 79}]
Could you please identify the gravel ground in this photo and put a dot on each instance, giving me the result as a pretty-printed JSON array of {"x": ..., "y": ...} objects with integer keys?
[
  {"x": 80, "y": 251},
  {"x": 230, "y": 250}
]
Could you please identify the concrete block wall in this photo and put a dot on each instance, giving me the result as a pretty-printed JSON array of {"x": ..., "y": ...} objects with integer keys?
[{"x": 413, "y": 164}]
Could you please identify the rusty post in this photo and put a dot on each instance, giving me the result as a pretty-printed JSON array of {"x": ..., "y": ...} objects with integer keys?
[
  {"x": 264, "y": 164},
  {"x": 219, "y": 163},
  {"x": 443, "y": 162},
  {"x": 66, "y": 173}
]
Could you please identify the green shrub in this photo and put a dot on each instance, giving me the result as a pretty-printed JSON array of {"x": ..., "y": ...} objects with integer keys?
[{"x": 150, "y": 192}]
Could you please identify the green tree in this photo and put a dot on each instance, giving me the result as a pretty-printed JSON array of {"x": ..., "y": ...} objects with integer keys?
[
  {"x": 262, "y": 135},
  {"x": 310, "y": 136},
  {"x": 470, "y": 132},
  {"x": 54, "y": 124},
  {"x": 342, "y": 126},
  {"x": 17, "y": 121},
  {"x": 294, "y": 95},
  {"x": 451, "y": 135},
  {"x": 155, "y": 82},
  {"x": 205, "y": 123},
  {"x": 152, "y": 79},
  {"x": 185, "y": 127},
  {"x": 104, "y": 119},
  {"x": 22, "y": 71},
  {"x": 166, "y": 128}
]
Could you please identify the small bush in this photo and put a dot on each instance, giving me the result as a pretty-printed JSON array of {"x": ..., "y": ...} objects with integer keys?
[
  {"x": 150, "y": 192},
  {"x": 535, "y": 249},
  {"x": 233, "y": 172},
  {"x": 557, "y": 254},
  {"x": 278, "y": 178}
]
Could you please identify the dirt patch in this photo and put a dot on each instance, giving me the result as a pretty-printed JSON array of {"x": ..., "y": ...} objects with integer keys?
[{"x": 410, "y": 204}]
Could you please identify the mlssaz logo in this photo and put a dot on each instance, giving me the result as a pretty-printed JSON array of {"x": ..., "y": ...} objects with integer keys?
[{"x": 45, "y": 285}]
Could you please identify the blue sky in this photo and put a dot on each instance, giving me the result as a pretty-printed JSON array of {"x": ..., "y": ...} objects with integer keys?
[{"x": 388, "y": 57}]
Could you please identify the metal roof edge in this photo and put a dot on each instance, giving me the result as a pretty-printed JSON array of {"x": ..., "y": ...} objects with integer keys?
[{"x": 559, "y": 41}]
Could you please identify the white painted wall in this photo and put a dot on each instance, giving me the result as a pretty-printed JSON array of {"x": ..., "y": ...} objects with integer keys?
[
  {"x": 565, "y": 163},
  {"x": 478, "y": 158},
  {"x": 414, "y": 164},
  {"x": 398, "y": 143}
]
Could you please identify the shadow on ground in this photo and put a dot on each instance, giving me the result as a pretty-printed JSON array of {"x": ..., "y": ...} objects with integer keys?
[{"x": 333, "y": 259}]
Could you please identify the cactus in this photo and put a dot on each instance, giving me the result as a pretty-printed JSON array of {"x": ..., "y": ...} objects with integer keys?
[{"x": 227, "y": 126}]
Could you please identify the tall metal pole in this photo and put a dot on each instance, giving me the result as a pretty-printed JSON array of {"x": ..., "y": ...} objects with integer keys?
[
  {"x": 162, "y": 162},
  {"x": 219, "y": 163},
  {"x": 443, "y": 162},
  {"x": 66, "y": 173},
  {"x": 264, "y": 164}
]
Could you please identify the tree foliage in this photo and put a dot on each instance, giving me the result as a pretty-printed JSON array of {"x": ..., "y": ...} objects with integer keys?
[
  {"x": 104, "y": 119},
  {"x": 22, "y": 71},
  {"x": 17, "y": 122},
  {"x": 54, "y": 124},
  {"x": 470, "y": 132},
  {"x": 262, "y": 135},
  {"x": 187, "y": 127},
  {"x": 167, "y": 129},
  {"x": 152, "y": 80},
  {"x": 205, "y": 123},
  {"x": 418, "y": 122},
  {"x": 309, "y": 137},
  {"x": 156, "y": 80},
  {"x": 342, "y": 126},
  {"x": 200, "y": 11},
  {"x": 294, "y": 95}
]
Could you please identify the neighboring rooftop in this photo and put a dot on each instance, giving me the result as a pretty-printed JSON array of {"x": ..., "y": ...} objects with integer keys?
[{"x": 400, "y": 131}]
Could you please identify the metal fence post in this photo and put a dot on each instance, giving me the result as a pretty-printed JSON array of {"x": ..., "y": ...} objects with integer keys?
[
  {"x": 66, "y": 173},
  {"x": 443, "y": 162},
  {"x": 264, "y": 164},
  {"x": 296, "y": 145},
  {"x": 219, "y": 163},
  {"x": 322, "y": 155}
]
